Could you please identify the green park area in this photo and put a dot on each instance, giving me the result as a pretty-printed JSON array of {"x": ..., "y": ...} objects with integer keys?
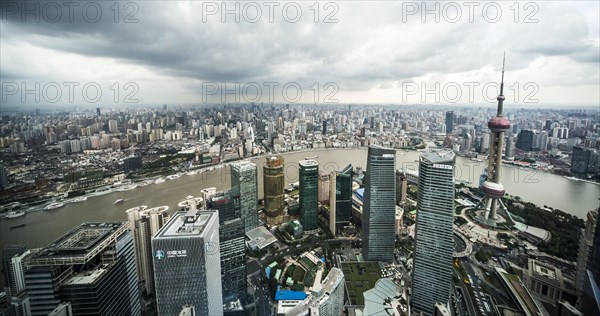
[
  {"x": 302, "y": 273},
  {"x": 360, "y": 277},
  {"x": 298, "y": 274}
]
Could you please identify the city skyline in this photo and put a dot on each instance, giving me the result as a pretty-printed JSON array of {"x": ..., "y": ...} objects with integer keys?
[{"x": 386, "y": 59}]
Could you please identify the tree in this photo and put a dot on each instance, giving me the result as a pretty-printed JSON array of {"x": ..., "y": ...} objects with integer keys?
[{"x": 482, "y": 256}]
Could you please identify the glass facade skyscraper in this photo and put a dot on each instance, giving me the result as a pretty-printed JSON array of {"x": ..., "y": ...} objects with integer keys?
[
  {"x": 231, "y": 243},
  {"x": 92, "y": 267},
  {"x": 187, "y": 265},
  {"x": 340, "y": 201},
  {"x": 379, "y": 208},
  {"x": 432, "y": 271},
  {"x": 309, "y": 194},
  {"x": 449, "y": 122},
  {"x": 244, "y": 182}
]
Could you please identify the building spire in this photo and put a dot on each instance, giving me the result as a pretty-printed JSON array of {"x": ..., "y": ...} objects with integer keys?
[
  {"x": 501, "y": 96},
  {"x": 502, "y": 81}
]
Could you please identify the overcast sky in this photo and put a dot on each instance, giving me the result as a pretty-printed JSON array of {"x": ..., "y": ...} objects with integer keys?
[{"x": 372, "y": 52}]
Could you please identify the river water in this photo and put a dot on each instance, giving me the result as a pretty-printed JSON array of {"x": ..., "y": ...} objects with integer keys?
[{"x": 574, "y": 197}]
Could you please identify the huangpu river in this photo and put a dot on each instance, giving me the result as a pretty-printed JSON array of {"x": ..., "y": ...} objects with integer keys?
[{"x": 574, "y": 197}]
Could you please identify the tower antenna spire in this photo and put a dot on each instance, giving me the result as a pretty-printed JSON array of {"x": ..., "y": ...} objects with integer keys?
[
  {"x": 501, "y": 96},
  {"x": 502, "y": 81}
]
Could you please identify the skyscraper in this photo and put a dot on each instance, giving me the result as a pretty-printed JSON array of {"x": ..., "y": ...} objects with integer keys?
[
  {"x": 580, "y": 160},
  {"x": 244, "y": 182},
  {"x": 586, "y": 241},
  {"x": 329, "y": 300},
  {"x": 145, "y": 223},
  {"x": 113, "y": 127},
  {"x": 492, "y": 188},
  {"x": 273, "y": 183},
  {"x": 449, "y": 122},
  {"x": 232, "y": 245},
  {"x": 340, "y": 202},
  {"x": 379, "y": 208},
  {"x": 92, "y": 266},
  {"x": 8, "y": 253},
  {"x": 324, "y": 186},
  {"x": 401, "y": 186},
  {"x": 132, "y": 163},
  {"x": 16, "y": 280},
  {"x": 309, "y": 194},
  {"x": 187, "y": 265},
  {"x": 525, "y": 140},
  {"x": 3, "y": 177},
  {"x": 590, "y": 300},
  {"x": 432, "y": 268},
  {"x": 206, "y": 193},
  {"x": 509, "y": 153}
]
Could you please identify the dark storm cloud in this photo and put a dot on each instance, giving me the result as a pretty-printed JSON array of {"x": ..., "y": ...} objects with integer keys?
[{"x": 369, "y": 47}]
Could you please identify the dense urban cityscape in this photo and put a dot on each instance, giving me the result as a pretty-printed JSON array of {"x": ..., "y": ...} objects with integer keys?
[
  {"x": 197, "y": 195},
  {"x": 301, "y": 242}
]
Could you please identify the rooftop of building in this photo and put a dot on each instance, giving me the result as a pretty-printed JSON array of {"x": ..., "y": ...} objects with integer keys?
[
  {"x": 235, "y": 306},
  {"x": 535, "y": 232},
  {"x": 137, "y": 209},
  {"x": 187, "y": 311},
  {"x": 243, "y": 165},
  {"x": 190, "y": 202},
  {"x": 289, "y": 295},
  {"x": 376, "y": 299},
  {"x": 220, "y": 198},
  {"x": 144, "y": 210},
  {"x": 360, "y": 194},
  {"x": 382, "y": 151},
  {"x": 260, "y": 238},
  {"x": 187, "y": 223},
  {"x": 80, "y": 244},
  {"x": 332, "y": 280},
  {"x": 295, "y": 223},
  {"x": 543, "y": 271},
  {"x": 308, "y": 163},
  {"x": 438, "y": 156},
  {"x": 274, "y": 162},
  {"x": 549, "y": 274},
  {"x": 87, "y": 277},
  {"x": 158, "y": 209}
]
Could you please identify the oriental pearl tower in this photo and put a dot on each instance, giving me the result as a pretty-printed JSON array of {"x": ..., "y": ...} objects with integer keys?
[{"x": 492, "y": 188}]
